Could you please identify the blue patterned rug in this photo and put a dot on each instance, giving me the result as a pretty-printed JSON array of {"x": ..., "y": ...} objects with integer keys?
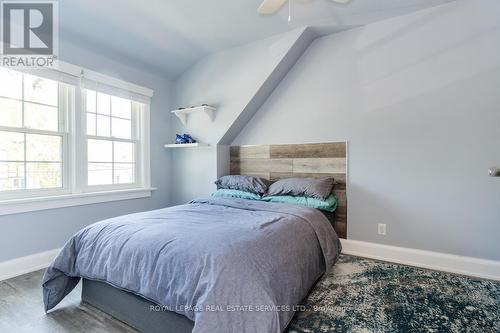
[{"x": 362, "y": 295}]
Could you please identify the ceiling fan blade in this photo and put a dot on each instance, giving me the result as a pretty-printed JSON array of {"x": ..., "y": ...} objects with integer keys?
[{"x": 270, "y": 6}]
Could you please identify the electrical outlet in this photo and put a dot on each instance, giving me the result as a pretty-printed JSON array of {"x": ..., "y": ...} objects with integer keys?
[{"x": 381, "y": 229}]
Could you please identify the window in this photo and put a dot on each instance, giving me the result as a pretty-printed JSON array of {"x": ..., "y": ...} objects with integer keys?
[
  {"x": 32, "y": 132},
  {"x": 111, "y": 139},
  {"x": 65, "y": 135}
]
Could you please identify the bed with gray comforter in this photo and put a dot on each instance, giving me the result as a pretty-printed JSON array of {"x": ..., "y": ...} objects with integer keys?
[{"x": 229, "y": 265}]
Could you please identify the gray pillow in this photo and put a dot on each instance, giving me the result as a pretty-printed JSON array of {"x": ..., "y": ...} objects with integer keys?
[
  {"x": 306, "y": 187},
  {"x": 243, "y": 183}
]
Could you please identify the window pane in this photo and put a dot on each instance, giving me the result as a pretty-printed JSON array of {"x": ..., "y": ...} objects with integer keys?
[
  {"x": 103, "y": 104},
  {"x": 124, "y": 173},
  {"x": 91, "y": 124},
  {"x": 39, "y": 90},
  {"x": 43, "y": 148},
  {"x": 11, "y": 112},
  {"x": 100, "y": 151},
  {"x": 122, "y": 128},
  {"x": 121, "y": 107},
  {"x": 11, "y": 146},
  {"x": 103, "y": 125},
  {"x": 124, "y": 152},
  {"x": 90, "y": 101},
  {"x": 100, "y": 174},
  {"x": 11, "y": 176},
  {"x": 43, "y": 175},
  {"x": 41, "y": 117},
  {"x": 11, "y": 83}
]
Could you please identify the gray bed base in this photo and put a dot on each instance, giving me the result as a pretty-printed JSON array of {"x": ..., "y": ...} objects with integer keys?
[{"x": 132, "y": 309}]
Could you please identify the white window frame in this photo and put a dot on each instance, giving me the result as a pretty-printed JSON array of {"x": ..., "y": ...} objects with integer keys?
[
  {"x": 137, "y": 139},
  {"x": 64, "y": 109},
  {"x": 75, "y": 190}
]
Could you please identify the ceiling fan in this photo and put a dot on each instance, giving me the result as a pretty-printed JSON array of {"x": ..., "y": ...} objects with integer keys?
[{"x": 271, "y": 6}]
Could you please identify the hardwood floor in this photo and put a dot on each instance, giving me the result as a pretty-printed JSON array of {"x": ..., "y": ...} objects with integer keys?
[
  {"x": 21, "y": 310},
  {"x": 356, "y": 295}
]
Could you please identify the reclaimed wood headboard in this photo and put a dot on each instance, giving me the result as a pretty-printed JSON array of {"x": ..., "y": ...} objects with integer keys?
[{"x": 315, "y": 160}]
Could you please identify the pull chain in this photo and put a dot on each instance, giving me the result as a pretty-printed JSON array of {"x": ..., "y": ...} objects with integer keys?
[{"x": 289, "y": 10}]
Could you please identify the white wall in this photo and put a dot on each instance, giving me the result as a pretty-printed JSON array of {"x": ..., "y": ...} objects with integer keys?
[
  {"x": 417, "y": 99},
  {"x": 194, "y": 171}
]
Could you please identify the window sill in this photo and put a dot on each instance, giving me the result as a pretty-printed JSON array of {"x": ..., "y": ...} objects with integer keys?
[{"x": 16, "y": 206}]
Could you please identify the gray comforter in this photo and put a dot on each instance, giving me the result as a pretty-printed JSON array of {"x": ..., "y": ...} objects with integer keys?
[{"x": 230, "y": 265}]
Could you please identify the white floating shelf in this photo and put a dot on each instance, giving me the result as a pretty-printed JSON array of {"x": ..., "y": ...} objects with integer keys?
[
  {"x": 186, "y": 145},
  {"x": 183, "y": 114}
]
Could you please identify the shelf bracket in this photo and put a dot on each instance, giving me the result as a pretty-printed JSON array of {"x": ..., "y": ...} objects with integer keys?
[
  {"x": 183, "y": 118},
  {"x": 183, "y": 113}
]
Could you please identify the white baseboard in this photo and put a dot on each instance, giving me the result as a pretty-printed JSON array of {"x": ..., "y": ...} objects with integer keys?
[
  {"x": 23, "y": 265},
  {"x": 481, "y": 268}
]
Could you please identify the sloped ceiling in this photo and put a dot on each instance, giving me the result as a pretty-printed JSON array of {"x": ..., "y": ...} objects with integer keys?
[{"x": 169, "y": 36}]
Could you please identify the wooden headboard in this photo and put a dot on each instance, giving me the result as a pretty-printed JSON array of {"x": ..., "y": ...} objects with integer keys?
[{"x": 315, "y": 160}]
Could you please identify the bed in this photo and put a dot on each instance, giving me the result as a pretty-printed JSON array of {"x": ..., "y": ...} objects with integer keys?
[{"x": 212, "y": 265}]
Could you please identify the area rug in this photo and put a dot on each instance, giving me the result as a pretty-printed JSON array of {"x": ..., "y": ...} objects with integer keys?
[{"x": 362, "y": 295}]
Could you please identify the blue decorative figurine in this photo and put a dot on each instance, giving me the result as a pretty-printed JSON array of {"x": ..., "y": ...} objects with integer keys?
[{"x": 182, "y": 139}]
